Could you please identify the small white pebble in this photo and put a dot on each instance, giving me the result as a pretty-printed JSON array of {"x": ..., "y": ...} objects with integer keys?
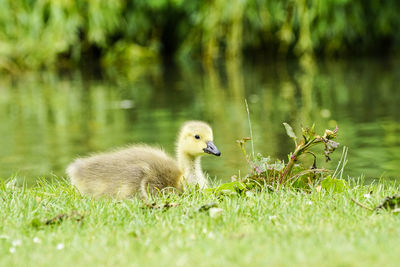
[
  {"x": 215, "y": 212},
  {"x": 17, "y": 243},
  {"x": 36, "y": 240},
  {"x": 272, "y": 217},
  {"x": 204, "y": 231},
  {"x": 367, "y": 195},
  {"x": 211, "y": 235},
  {"x": 309, "y": 202},
  {"x": 60, "y": 246},
  {"x": 13, "y": 250}
]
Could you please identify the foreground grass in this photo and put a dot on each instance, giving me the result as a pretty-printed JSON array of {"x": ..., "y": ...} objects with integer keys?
[{"x": 281, "y": 228}]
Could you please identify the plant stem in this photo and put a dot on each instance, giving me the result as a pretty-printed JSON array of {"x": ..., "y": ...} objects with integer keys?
[
  {"x": 361, "y": 205},
  {"x": 288, "y": 169},
  {"x": 251, "y": 131}
]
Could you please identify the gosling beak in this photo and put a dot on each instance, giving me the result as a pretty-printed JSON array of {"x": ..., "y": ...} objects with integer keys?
[{"x": 211, "y": 149}]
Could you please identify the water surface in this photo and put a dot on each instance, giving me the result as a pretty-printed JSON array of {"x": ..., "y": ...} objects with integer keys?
[{"x": 46, "y": 120}]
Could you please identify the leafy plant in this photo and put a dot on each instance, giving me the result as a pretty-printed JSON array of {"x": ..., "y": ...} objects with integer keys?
[
  {"x": 309, "y": 140},
  {"x": 275, "y": 173},
  {"x": 390, "y": 203},
  {"x": 264, "y": 170}
]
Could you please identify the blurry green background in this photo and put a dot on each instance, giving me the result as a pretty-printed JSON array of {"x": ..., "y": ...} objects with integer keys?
[
  {"x": 121, "y": 34},
  {"x": 86, "y": 76}
]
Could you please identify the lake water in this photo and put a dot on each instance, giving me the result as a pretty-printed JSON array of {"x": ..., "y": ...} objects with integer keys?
[{"x": 46, "y": 120}]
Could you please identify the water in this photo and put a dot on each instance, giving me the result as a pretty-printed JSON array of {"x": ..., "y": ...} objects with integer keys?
[{"x": 47, "y": 120}]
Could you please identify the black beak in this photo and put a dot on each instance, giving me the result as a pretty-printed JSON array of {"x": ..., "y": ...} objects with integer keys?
[{"x": 212, "y": 149}]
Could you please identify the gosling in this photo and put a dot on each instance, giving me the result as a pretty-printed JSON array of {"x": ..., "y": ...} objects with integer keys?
[{"x": 142, "y": 170}]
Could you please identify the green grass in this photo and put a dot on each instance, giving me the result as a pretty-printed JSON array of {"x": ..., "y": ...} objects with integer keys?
[{"x": 280, "y": 229}]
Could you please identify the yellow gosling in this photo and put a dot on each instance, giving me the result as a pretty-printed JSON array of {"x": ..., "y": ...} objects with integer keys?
[{"x": 141, "y": 169}]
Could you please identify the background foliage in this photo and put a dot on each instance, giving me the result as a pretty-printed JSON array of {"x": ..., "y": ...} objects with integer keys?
[{"x": 52, "y": 34}]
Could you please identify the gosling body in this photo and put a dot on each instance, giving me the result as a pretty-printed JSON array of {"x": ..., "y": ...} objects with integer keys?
[{"x": 142, "y": 170}]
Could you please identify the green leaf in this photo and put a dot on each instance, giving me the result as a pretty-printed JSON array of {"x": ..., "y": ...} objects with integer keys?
[
  {"x": 334, "y": 185},
  {"x": 36, "y": 223},
  {"x": 301, "y": 183},
  {"x": 290, "y": 132},
  {"x": 233, "y": 187}
]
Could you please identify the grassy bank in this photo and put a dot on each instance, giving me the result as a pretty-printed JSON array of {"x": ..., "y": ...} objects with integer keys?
[{"x": 52, "y": 225}]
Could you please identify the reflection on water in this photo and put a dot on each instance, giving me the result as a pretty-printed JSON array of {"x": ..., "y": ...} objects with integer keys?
[{"x": 46, "y": 121}]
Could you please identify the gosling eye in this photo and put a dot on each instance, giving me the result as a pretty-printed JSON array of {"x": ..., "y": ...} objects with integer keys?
[{"x": 197, "y": 136}]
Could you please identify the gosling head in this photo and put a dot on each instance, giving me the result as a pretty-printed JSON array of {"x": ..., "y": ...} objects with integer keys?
[{"x": 196, "y": 139}]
